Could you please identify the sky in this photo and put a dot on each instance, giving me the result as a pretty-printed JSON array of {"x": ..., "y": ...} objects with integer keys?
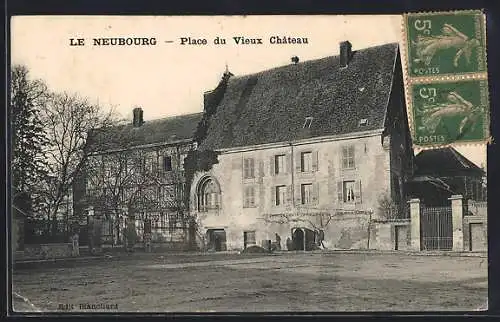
[{"x": 169, "y": 78}]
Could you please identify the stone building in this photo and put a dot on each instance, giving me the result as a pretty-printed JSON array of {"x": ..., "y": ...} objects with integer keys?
[
  {"x": 135, "y": 176},
  {"x": 306, "y": 152}
]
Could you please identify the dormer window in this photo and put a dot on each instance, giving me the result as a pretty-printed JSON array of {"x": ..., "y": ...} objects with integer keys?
[
  {"x": 307, "y": 123},
  {"x": 363, "y": 122}
]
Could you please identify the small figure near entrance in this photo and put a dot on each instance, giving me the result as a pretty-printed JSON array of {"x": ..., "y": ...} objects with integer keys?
[
  {"x": 75, "y": 245},
  {"x": 74, "y": 239},
  {"x": 147, "y": 242},
  {"x": 289, "y": 244},
  {"x": 278, "y": 241},
  {"x": 320, "y": 236},
  {"x": 147, "y": 236},
  {"x": 217, "y": 243}
]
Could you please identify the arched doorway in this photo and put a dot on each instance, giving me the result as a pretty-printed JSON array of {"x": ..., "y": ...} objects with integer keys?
[{"x": 298, "y": 239}]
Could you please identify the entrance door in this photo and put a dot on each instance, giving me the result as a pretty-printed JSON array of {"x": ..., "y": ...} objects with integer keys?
[
  {"x": 478, "y": 240},
  {"x": 217, "y": 239},
  {"x": 248, "y": 238},
  {"x": 298, "y": 239}
]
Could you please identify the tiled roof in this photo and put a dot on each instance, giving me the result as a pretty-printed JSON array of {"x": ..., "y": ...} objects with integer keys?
[
  {"x": 272, "y": 105},
  {"x": 444, "y": 162},
  {"x": 163, "y": 130}
]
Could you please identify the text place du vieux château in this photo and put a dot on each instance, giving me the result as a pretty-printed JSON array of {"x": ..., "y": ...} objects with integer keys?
[{"x": 188, "y": 40}]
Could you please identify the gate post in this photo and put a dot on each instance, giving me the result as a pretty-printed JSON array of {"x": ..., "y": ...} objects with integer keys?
[
  {"x": 415, "y": 223},
  {"x": 457, "y": 222}
]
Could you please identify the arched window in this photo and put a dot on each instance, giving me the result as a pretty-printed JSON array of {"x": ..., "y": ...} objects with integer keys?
[{"x": 208, "y": 195}]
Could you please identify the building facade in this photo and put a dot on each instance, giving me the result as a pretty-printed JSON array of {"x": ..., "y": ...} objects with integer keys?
[
  {"x": 306, "y": 152},
  {"x": 135, "y": 177}
]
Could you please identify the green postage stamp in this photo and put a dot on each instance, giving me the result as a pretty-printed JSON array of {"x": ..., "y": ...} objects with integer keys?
[
  {"x": 445, "y": 43},
  {"x": 448, "y": 112},
  {"x": 446, "y": 79}
]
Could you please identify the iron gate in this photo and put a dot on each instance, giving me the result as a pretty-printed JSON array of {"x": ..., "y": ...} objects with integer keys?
[{"x": 436, "y": 228}]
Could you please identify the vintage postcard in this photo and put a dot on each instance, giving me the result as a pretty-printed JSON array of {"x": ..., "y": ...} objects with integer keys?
[{"x": 249, "y": 163}]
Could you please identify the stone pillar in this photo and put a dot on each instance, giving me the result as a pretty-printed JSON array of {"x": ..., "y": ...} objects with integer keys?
[
  {"x": 457, "y": 222},
  {"x": 415, "y": 224}
]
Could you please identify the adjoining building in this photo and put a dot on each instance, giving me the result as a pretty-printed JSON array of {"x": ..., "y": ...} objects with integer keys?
[
  {"x": 441, "y": 173},
  {"x": 306, "y": 151},
  {"x": 135, "y": 173}
]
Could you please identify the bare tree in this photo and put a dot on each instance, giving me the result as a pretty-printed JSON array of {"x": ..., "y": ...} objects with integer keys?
[
  {"x": 134, "y": 180},
  {"x": 68, "y": 119}
]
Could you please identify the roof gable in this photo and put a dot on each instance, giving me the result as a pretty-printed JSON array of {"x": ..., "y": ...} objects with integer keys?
[
  {"x": 444, "y": 162},
  {"x": 271, "y": 106}
]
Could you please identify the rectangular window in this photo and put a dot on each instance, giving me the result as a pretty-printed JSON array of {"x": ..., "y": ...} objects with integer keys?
[
  {"x": 308, "y": 122},
  {"x": 249, "y": 197},
  {"x": 167, "y": 163},
  {"x": 348, "y": 157},
  {"x": 348, "y": 191},
  {"x": 248, "y": 168},
  {"x": 249, "y": 238},
  {"x": 306, "y": 162},
  {"x": 306, "y": 193},
  {"x": 279, "y": 163},
  {"x": 280, "y": 195}
]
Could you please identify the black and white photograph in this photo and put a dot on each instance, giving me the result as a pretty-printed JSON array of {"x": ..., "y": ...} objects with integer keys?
[{"x": 243, "y": 164}]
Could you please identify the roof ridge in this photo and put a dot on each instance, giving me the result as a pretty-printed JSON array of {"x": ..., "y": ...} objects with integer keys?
[
  {"x": 301, "y": 63},
  {"x": 173, "y": 117}
]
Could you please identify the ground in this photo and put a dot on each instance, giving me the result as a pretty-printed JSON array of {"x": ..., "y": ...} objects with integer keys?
[{"x": 284, "y": 282}]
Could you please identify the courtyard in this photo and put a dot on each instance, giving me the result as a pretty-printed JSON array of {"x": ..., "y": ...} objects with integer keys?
[{"x": 258, "y": 283}]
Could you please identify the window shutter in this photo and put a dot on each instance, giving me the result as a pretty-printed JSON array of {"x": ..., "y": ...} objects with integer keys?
[
  {"x": 245, "y": 196},
  {"x": 315, "y": 193},
  {"x": 261, "y": 168},
  {"x": 244, "y": 172},
  {"x": 298, "y": 195},
  {"x": 272, "y": 172},
  {"x": 298, "y": 162},
  {"x": 339, "y": 192},
  {"x": 273, "y": 196},
  {"x": 252, "y": 163},
  {"x": 255, "y": 191},
  {"x": 288, "y": 163},
  {"x": 341, "y": 158},
  {"x": 357, "y": 191},
  {"x": 289, "y": 195},
  {"x": 173, "y": 157},
  {"x": 155, "y": 163},
  {"x": 162, "y": 163},
  {"x": 315, "y": 161}
]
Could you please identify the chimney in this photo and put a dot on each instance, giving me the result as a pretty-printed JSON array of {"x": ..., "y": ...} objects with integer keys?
[
  {"x": 138, "y": 117},
  {"x": 345, "y": 53}
]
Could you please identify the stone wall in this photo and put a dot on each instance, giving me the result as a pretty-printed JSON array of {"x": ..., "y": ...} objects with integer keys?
[
  {"x": 47, "y": 251},
  {"x": 390, "y": 235},
  {"x": 475, "y": 227}
]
